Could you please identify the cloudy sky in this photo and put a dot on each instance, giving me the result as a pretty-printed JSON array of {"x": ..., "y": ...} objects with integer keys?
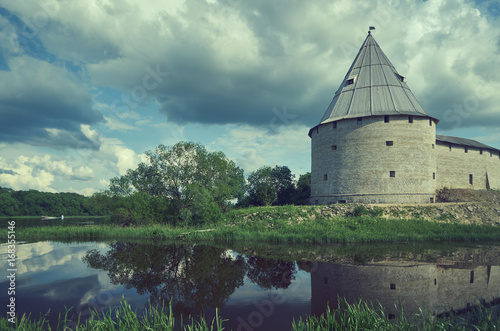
[{"x": 86, "y": 86}]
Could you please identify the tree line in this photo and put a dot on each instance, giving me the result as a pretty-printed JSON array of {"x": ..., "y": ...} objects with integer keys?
[
  {"x": 36, "y": 203},
  {"x": 183, "y": 184}
]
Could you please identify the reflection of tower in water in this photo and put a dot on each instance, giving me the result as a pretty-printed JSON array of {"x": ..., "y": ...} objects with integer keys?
[{"x": 434, "y": 288}]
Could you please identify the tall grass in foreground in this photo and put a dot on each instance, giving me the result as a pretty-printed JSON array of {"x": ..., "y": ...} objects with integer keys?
[
  {"x": 117, "y": 318},
  {"x": 364, "y": 316},
  {"x": 357, "y": 316}
]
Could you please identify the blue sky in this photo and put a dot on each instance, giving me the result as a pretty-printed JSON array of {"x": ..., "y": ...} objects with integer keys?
[{"x": 86, "y": 87}]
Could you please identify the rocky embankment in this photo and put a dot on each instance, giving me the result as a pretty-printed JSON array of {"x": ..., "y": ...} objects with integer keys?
[
  {"x": 463, "y": 212},
  {"x": 458, "y": 206}
]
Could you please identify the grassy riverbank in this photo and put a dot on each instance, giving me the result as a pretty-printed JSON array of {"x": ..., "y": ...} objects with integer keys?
[
  {"x": 307, "y": 224},
  {"x": 357, "y": 316}
]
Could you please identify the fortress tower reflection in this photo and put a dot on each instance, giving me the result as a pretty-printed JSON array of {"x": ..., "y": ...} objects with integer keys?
[{"x": 433, "y": 287}]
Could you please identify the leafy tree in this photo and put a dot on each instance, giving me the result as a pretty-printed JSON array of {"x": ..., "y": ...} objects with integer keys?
[
  {"x": 303, "y": 189},
  {"x": 6, "y": 190},
  {"x": 8, "y": 205},
  {"x": 203, "y": 208},
  {"x": 134, "y": 209},
  {"x": 262, "y": 187},
  {"x": 98, "y": 203},
  {"x": 183, "y": 174},
  {"x": 286, "y": 187},
  {"x": 271, "y": 186}
]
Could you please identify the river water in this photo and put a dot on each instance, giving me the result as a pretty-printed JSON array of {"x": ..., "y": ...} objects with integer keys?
[{"x": 256, "y": 286}]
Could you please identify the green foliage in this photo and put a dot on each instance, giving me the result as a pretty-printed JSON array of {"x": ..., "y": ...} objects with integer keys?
[
  {"x": 362, "y": 210},
  {"x": 262, "y": 187},
  {"x": 185, "y": 184},
  {"x": 203, "y": 208},
  {"x": 35, "y": 203},
  {"x": 122, "y": 317},
  {"x": 356, "y": 316},
  {"x": 303, "y": 189},
  {"x": 366, "y": 316},
  {"x": 8, "y": 205},
  {"x": 271, "y": 186}
]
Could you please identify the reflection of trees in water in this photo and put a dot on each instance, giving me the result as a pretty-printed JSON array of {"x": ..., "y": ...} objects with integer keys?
[
  {"x": 270, "y": 273},
  {"x": 191, "y": 276}
]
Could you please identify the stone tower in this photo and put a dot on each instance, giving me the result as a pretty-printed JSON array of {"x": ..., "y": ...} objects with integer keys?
[{"x": 375, "y": 143}]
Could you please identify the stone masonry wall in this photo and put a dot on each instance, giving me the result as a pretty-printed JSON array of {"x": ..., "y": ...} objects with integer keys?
[
  {"x": 353, "y": 163},
  {"x": 455, "y": 167}
]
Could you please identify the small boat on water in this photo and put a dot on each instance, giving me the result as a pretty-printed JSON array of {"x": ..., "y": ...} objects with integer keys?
[{"x": 45, "y": 217}]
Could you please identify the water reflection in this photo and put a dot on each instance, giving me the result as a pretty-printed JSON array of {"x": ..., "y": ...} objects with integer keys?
[
  {"x": 190, "y": 276},
  {"x": 436, "y": 288},
  {"x": 255, "y": 289}
]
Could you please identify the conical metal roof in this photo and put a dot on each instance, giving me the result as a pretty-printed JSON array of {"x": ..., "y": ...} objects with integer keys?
[{"x": 372, "y": 87}]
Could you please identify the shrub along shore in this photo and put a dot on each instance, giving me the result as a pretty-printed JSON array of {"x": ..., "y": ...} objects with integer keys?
[{"x": 306, "y": 224}]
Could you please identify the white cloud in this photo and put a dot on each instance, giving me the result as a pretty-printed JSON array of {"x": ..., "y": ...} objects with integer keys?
[
  {"x": 117, "y": 125},
  {"x": 8, "y": 38},
  {"x": 80, "y": 171},
  {"x": 121, "y": 157},
  {"x": 221, "y": 62},
  {"x": 103, "y": 183},
  {"x": 253, "y": 148},
  {"x": 25, "y": 176},
  {"x": 39, "y": 172},
  {"x": 229, "y": 61},
  {"x": 83, "y": 173}
]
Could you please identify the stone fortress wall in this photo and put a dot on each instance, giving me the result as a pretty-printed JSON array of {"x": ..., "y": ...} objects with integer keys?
[
  {"x": 387, "y": 159},
  {"x": 469, "y": 167},
  {"x": 382, "y": 159}
]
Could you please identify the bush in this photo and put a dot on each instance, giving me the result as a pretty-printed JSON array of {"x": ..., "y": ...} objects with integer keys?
[
  {"x": 135, "y": 209},
  {"x": 202, "y": 209},
  {"x": 362, "y": 210},
  {"x": 122, "y": 217}
]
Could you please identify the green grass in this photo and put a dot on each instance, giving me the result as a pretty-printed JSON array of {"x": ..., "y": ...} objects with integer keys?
[
  {"x": 116, "y": 318},
  {"x": 357, "y": 316},
  {"x": 321, "y": 230},
  {"x": 295, "y": 224},
  {"x": 364, "y": 316}
]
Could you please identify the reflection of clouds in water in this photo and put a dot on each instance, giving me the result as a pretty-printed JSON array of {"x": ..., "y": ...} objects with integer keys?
[
  {"x": 55, "y": 275},
  {"x": 42, "y": 256},
  {"x": 105, "y": 292},
  {"x": 26, "y": 252},
  {"x": 298, "y": 291}
]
